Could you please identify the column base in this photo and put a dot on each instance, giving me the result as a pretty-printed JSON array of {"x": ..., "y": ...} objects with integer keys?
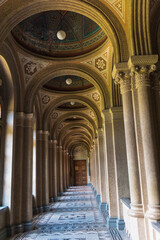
[
  {"x": 98, "y": 198},
  {"x": 95, "y": 192},
  {"x": 55, "y": 199},
  {"x": 61, "y": 194},
  {"x": 18, "y": 228},
  {"x": 51, "y": 199},
  {"x": 35, "y": 211},
  {"x": 136, "y": 210},
  {"x": 89, "y": 184},
  {"x": 27, "y": 226},
  {"x": 10, "y": 231},
  {"x": 46, "y": 208},
  {"x": 40, "y": 209},
  {"x": 120, "y": 224},
  {"x": 112, "y": 222},
  {"x": 104, "y": 207},
  {"x": 153, "y": 212}
]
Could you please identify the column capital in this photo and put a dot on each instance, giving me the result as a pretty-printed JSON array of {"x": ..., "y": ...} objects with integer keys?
[
  {"x": 28, "y": 119},
  {"x": 55, "y": 141},
  {"x": 141, "y": 67},
  {"x": 122, "y": 76}
]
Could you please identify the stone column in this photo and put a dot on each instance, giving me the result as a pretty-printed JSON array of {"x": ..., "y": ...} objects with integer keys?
[
  {"x": 95, "y": 171},
  {"x": 55, "y": 172},
  {"x": 143, "y": 67},
  {"x": 68, "y": 172},
  {"x": 156, "y": 99},
  {"x": 16, "y": 208},
  {"x": 120, "y": 157},
  {"x": 72, "y": 170},
  {"x": 98, "y": 194},
  {"x": 91, "y": 165},
  {"x": 64, "y": 170},
  {"x": 50, "y": 169},
  {"x": 111, "y": 169},
  {"x": 61, "y": 169},
  {"x": 123, "y": 77},
  {"x": 45, "y": 173},
  {"x": 39, "y": 136},
  {"x": 58, "y": 172},
  {"x": 27, "y": 172},
  {"x": 103, "y": 168}
]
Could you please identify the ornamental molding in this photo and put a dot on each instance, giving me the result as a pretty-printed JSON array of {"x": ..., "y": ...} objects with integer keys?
[
  {"x": 118, "y": 6},
  {"x": 142, "y": 60},
  {"x": 31, "y": 66}
]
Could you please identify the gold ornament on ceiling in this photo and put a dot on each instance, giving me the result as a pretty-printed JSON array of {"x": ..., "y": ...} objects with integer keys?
[
  {"x": 96, "y": 97},
  {"x": 100, "y": 63}
]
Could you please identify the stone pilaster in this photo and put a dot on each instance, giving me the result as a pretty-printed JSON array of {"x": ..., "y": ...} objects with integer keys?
[
  {"x": 142, "y": 66},
  {"x": 98, "y": 173},
  {"x": 39, "y": 144},
  {"x": 45, "y": 172},
  {"x": 103, "y": 167},
  {"x": 16, "y": 205},
  {"x": 68, "y": 170},
  {"x": 120, "y": 158},
  {"x": 61, "y": 170},
  {"x": 50, "y": 155},
  {"x": 111, "y": 169},
  {"x": 64, "y": 170},
  {"x": 58, "y": 172},
  {"x": 27, "y": 172},
  {"x": 55, "y": 182}
]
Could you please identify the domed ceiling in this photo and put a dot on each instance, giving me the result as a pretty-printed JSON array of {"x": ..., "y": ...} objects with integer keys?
[
  {"x": 59, "y": 84},
  {"x": 39, "y": 34}
]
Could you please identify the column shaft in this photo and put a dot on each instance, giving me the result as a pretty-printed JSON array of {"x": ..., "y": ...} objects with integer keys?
[
  {"x": 27, "y": 172},
  {"x": 98, "y": 168},
  {"x": 39, "y": 170},
  {"x": 45, "y": 173},
  {"x": 50, "y": 171},
  {"x": 103, "y": 166},
  {"x": 61, "y": 169},
  {"x": 149, "y": 142},
  {"x": 55, "y": 170},
  {"x": 17, "y": 173}
]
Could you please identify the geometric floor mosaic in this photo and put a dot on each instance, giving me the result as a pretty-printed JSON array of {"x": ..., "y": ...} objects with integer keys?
[{"x": 75, "y": 216}]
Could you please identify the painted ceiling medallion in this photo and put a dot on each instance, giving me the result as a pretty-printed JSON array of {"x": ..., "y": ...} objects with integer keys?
[
  {"x": 69, "y": 81},
  {"x": 61, "y": 84},
  {"x": 59, "y": 34},
  {"x": 72, "y": 103}
]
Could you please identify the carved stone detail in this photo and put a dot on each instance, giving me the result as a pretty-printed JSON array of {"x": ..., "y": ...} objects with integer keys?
[
  {"x": 45, "y": 99},
  {"x": 124, "y": 79},
  {"x": 142, "y": 75}
]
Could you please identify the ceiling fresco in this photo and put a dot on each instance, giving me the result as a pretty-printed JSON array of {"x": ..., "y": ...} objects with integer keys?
[
  {"x": 59, "y": 84},
  {"x": 38, "y": 34}
]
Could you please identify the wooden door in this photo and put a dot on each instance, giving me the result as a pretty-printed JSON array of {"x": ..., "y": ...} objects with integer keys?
[{"x": 80, "y": 172}]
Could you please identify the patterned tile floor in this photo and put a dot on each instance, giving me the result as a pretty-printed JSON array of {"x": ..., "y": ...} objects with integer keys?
[{"x": 75, "y": 216}]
